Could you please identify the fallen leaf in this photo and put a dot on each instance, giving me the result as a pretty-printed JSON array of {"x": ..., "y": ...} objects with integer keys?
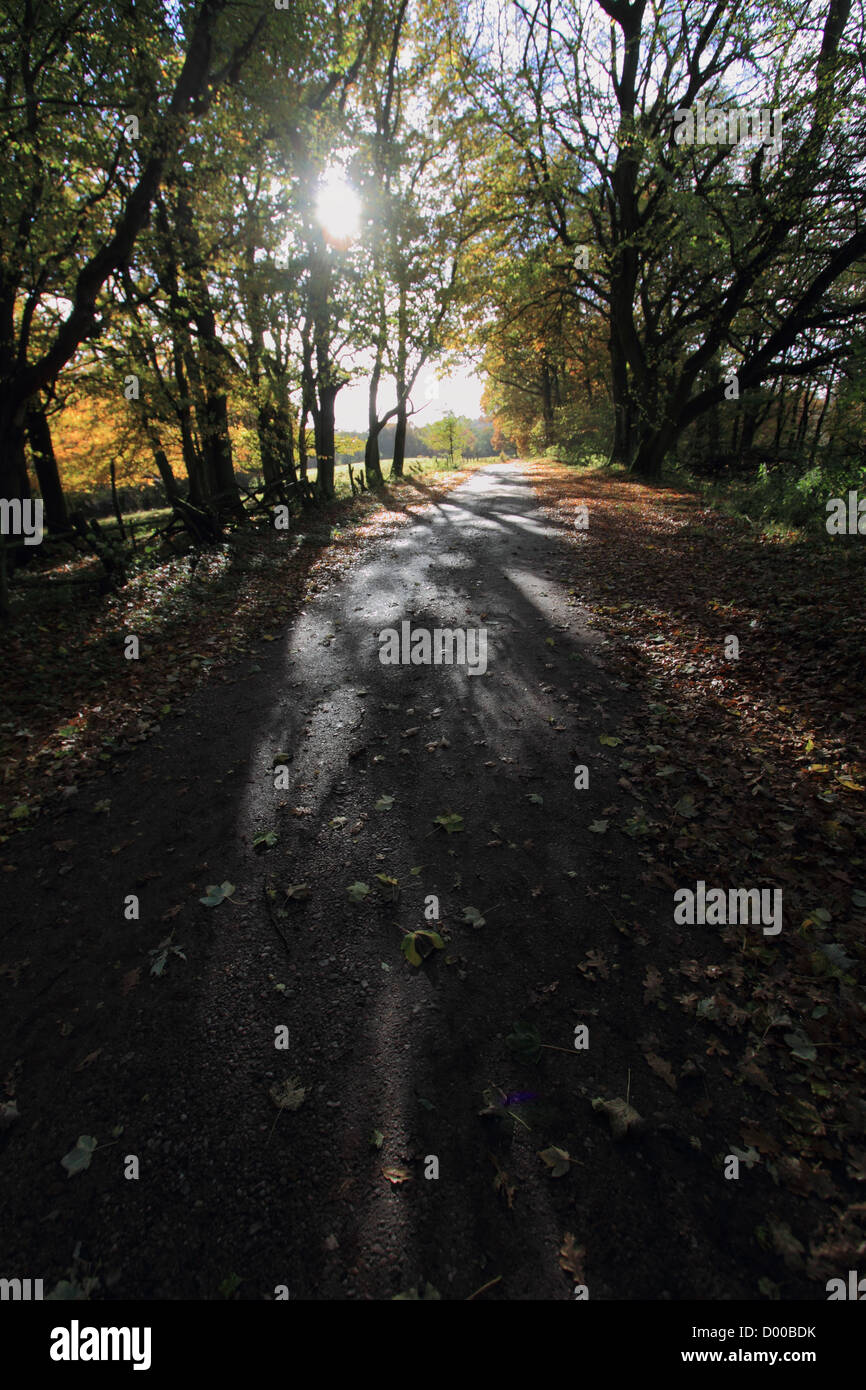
[
  {"x": 557, "y": 1160},
  {"x": 622, "y": 1117},
  {"x": 79, "y": 1158},
  {"x": 572, "y": 1258},
  {"x": 473, "y": 917},
  {"x": 416, "y": 945},
  {"x": 661, "y": 1068},
  {"x": 288, "y": 1096},
  {"x": 85, "y": 1061},
  {"x": 397, "y": 1175},
  {"x": 653, "y": 982},
  {"x": 217, "y": 893}
]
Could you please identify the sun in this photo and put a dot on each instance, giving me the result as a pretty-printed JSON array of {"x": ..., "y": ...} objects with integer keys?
[{"x": 338, "y": 211}]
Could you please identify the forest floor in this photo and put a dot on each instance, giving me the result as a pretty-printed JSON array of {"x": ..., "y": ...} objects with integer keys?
[{"x": 551, "y": 1097}]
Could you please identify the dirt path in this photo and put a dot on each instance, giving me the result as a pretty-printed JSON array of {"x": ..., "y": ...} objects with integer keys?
[{"x": 237, "y": 1197}]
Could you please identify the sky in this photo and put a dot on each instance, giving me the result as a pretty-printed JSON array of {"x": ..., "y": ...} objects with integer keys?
[{"x": 460, "y": 393}]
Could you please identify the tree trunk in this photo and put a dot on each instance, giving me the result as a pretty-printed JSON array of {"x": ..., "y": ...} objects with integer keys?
[
  {"x": 16, "y": 484},
  {"x": 653, "y": 448},
  {"x": 750, "y": 423},
  {"x": 622, "y": 446},
  {"x": 45, "y": 464},
  {"x": 399, "y": 442},
  {"x": 372, "y": 459},
  {"x": 402, "y": 392},
  {"x": 820, "y": 425},
  {"x": 169, "y": 481},
  {"x": 114, "y": 500},
  {"x": 546, "y": 404},
  {"x": 13, "y": 465},
  {"x": 212, "y": 404},
  {"x": 276, "y": 445},
  {"x": 216, "y": 443},
  {"x": 302, "y": 443},
  {"x": 325, "y": 442}
]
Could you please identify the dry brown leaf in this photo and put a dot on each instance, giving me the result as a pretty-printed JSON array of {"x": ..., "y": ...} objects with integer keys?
[
  {"x": 572, "y": 1258},
  {"x": 130, "y": 980},
  {"x": 594, "y": 961},
  {"x": 661, "y": 1068},
  {"x": 622, "y": 1117},
  {"x": 85, "y": 1061},
  {"x": 653, "y": 981}
]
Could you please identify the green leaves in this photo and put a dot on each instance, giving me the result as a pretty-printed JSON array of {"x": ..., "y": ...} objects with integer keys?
[
  {"x": 160, "y": 954},
  {"x": 217, "y": 893},
  {"x": 266, "y": 840},
  {"x": 384, "y": 803},
  {"x": 79, "y": 1158},
  {"x": 450, "y": 822},
  {"x": 473, "y": 917},
  {"x": 609, "y": 741},
  {"x": 357, "y": 892},
  {"x": 417, "y": 945},
  {"x": 388, "y": 887},
  {"x": 801, "y": 1046},
  {"x": 524, "y": 1043}
]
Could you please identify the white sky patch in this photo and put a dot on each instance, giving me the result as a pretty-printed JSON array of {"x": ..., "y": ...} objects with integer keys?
[
  {"x": 338, "y": 208},
  {"x": 432, "y": 398}
]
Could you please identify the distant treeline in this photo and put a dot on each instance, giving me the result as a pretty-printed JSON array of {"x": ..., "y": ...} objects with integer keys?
[{"x": 421, "y": 442}]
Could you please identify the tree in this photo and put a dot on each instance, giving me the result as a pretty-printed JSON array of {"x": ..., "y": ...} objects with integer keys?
[
  {"x": 450, "y": 436},
  {"x": 70, "y": 211},
  {"x": 702, "y": 258}
]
